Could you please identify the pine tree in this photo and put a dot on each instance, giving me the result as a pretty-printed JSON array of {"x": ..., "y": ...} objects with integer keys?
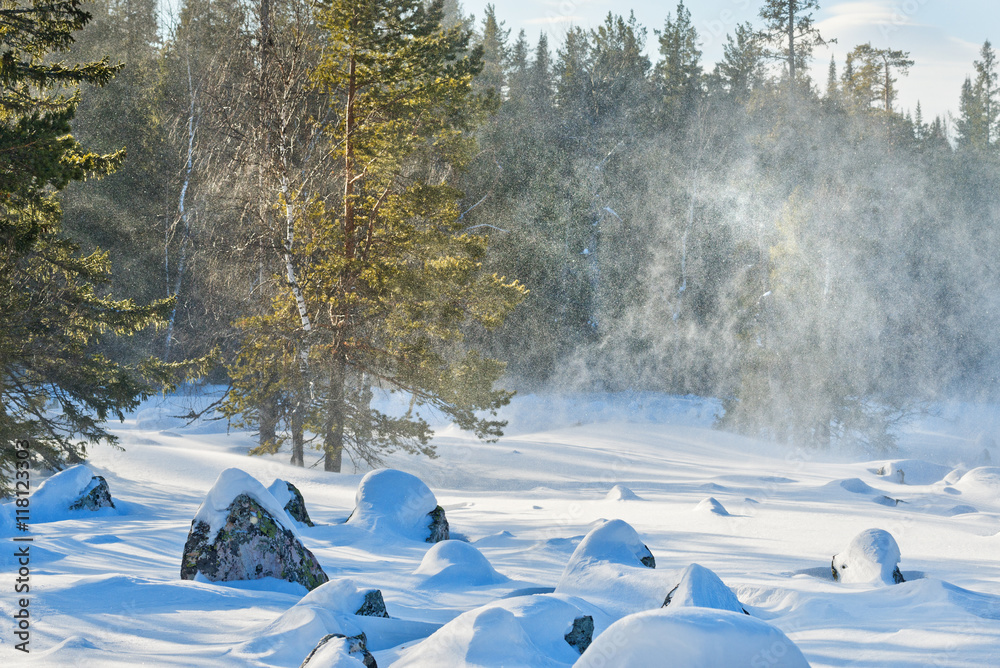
[
  {"x": 678, "y": 73},
  {"x": 741, "y": 69},
  {"x": 388, "y": 275},
  {"x": 54, "y": 389},
  {"x": 789, "y": 27},
  {"x": 978, "y": 122},
  {"x": 872, "y": 79}
]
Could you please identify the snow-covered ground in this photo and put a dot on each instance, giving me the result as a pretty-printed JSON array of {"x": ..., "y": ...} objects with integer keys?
[{"x": 106, "y": 590}]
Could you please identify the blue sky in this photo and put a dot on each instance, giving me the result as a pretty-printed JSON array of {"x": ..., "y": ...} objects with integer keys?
[{"x": 942, "y": 36}]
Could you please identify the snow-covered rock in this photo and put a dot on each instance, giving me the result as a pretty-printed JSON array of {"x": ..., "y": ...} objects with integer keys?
[
  {"x": 702, "y": 588},
  {"x": 75, "y": 489},
  {"x": 334, "y": 607},
  {"x": 241, "y": 532},
  {"x": 338, "y": 651},
  {"x": 692, "y": 638},
  {"x": 401, "y": 503},
  {"x": 711, "y": 506},
  {"x": 913, "y": 472},
  {"x": 872, "y": 557},
  {"x": 544, "y": 630},
  {"x": 290, "y": 498},
  {"x": 622, "y": 493},
  {"x": 611, "y": 566},
  {"x": 453, "y": 563}
]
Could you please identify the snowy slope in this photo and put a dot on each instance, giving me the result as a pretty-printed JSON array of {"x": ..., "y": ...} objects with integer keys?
[{"x": 106, "y": 589}]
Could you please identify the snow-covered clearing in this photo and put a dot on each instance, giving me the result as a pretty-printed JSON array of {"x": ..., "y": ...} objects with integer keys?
[{"x": 106, "y": 591}]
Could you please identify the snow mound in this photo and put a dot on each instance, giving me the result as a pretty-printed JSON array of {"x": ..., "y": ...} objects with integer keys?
[
  {"x": 612, "y": 567},
  {"x": 499, "y": 539},
  {"x": 51, "y": 501},
  {"x": 231, "y": 483},
  {"x": 523, "y": 631},
  {"x": 392, "y": 500},
  {"x": 693, "y": 638},
  {"x": 700, "y": 587},
  {"x": 913, "y": 472},
  {"x": 872, "y": 557},
  {"x": 983, "y": 482},
  {"x": 711, "y": 505},
  {"x": 622, "y": 493},
  {"x": 855, "y": 486},
  {"x": 453, "y": 563}
]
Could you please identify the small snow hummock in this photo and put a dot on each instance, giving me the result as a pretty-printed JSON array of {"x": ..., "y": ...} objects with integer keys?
[
  {"x": 711, "y": 505},
  {"x": 231, "y": 483},
  {"x": 399, "y": 502},
  {"x": 913, "y": 472},
  {"x": 693, "y": 638},
  {"x": 872, "y": 557},
  {"x": 545, "y": 630},
  {"x": 453, "y": 563},
  {"x": 622, "y": 493},
  {"x": 700, "y": 587}
]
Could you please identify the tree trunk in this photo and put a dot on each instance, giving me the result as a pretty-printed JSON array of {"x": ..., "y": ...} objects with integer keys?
[
  {"x": 791, "y": 44},
  {"x": 333, "y": 438},
  {"x": 298, "y": 455},
  {"x": 268, "y": 422}
]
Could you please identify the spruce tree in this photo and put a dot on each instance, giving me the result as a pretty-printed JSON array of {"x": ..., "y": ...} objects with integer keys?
[
  {"x": 388, "y": 274},
  {"x": 54, "y": 389}
]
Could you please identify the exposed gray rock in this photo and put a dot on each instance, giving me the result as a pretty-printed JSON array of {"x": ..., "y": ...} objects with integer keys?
[
  {"x": 374, "y": 605},
  {"x": 296, "y": 506},
  {"x": 252, "y": 544},
  {"x": 96, "y": 496},
  {"x": 648, "y": 561},
  {"x": 438, "y": 526},
  {"x": 582, "y": 633},
  {"x": 335, "y": 645}
]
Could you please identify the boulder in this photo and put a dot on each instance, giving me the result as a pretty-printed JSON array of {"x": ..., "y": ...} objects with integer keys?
[
  {"x": 95, "y": 496},
  {"x": 581, "y": 634},
  {"x": 239, "y": 533},
  {"x": 289, "y": 496},
  {"x": 339, "y": 651},
  {"x": 700, "y": 587},
  {"x": 872, "y": 557},
  {"x": 391, "y": 500}
]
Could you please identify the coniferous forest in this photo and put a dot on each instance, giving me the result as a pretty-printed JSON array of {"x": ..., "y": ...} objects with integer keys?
[{"x": 315, "y": 203}]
